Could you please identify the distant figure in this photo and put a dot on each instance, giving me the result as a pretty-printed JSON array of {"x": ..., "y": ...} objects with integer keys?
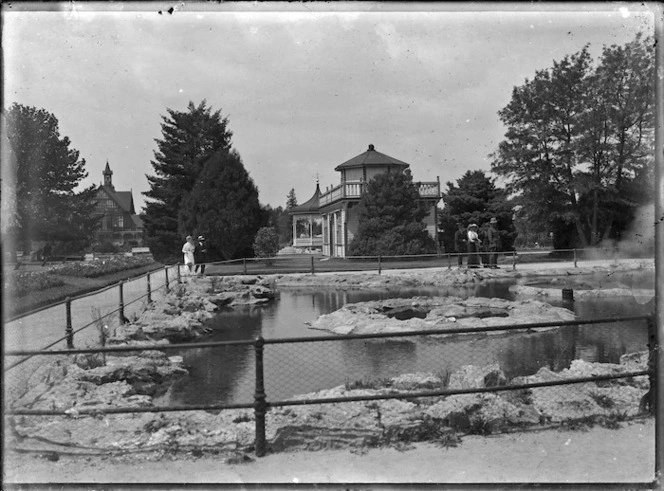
[
  {"x": 188, "y": 250},
  {"x": 460, "y": 242},
  {"x": 484, "y": 244},
  {"x": 46, "y": 253},
  {"x": 493, "y": 242},
  {"x": 474, "y": 243},
  {"x": 200, "y": 255}
]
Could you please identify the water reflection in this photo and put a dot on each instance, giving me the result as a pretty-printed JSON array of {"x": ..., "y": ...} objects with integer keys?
[{"x": 227, "y": 375}]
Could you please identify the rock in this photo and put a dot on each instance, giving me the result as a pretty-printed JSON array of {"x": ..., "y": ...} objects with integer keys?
[
  {"x": 436, "y": 313},
  {"x": 473, "y": 377}
]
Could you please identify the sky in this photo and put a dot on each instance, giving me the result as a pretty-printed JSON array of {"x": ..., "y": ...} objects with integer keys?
[{"x": 305, "y": 86}]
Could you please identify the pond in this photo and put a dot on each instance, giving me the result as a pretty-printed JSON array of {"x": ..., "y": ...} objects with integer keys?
[{"x": 227, "y": 375}]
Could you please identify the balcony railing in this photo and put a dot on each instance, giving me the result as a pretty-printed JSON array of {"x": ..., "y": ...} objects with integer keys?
[{"x": 355, "y": 189}]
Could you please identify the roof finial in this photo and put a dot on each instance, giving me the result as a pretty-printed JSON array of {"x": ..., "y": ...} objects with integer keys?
[{"x": 371, "y": 147}]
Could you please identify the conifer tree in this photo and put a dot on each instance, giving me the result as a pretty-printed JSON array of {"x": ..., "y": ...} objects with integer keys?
[
  {"x": 391, "y": 216},
  {"x": 476, "y": 199},
  {"x": 45, "y": 205},
  {"x": 189, "y": 139},
  {"x": 222, "y": 205}
]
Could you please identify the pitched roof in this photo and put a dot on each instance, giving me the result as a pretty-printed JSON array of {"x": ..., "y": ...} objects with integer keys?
[
  {"x": 137, "y": 221},
  {"x": 310, "y": 205},
  {"x": 369, "y": 158},
  {"x": 124, "y": 199}
]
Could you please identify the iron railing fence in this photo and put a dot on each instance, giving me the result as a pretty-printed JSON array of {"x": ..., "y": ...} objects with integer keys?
[
  {"x": 328, "y": 370},
  {"x": 315, "y": 263},
  {"x": 85, "y": 320}
]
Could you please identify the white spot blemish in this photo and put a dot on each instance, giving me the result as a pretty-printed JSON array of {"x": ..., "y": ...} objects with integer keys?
[
  {"x": 296, "y": 480},
  {"x": 569, "y": 440},
  {"x": 624, "y": 11}
]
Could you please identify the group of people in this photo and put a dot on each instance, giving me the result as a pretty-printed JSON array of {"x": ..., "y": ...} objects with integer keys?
[
  {"x": 480, "y": 245},
  {"x": 195, "y": 254}
]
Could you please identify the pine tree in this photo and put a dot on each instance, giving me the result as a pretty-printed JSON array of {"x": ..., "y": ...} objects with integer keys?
[
  {"x": 189, "y": 139},
  {"x": 223, "y": 205},
  {"x": 47, "y": 172},
  {"x": 291, "y": 199},
  {"x": 391, "y": 216}
]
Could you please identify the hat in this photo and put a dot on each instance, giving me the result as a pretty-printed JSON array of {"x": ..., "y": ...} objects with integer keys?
[
  {"x": 493, "y": 220},
  {"x": 200, "y": 237},
  {"x": 472, "y": 225}
]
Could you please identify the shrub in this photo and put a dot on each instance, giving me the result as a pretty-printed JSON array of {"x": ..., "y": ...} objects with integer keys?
[{"x": 266, "y": 243}]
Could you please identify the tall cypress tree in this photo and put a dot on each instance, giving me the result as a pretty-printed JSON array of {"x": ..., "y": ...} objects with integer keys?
[
  {"x": 223, "y": 205},
  {"x": 189, "y": 139}
]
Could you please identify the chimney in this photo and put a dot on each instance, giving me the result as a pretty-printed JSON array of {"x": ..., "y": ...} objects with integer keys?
[{"x": 371, "y": 147}]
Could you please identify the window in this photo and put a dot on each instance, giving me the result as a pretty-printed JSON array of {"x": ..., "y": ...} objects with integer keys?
[{"x": 118, "y": 221}]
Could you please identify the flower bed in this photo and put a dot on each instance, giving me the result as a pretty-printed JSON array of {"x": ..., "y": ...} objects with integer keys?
[
  {"x": 94, "y": 269},
  {"x": 21, "y": 283}
]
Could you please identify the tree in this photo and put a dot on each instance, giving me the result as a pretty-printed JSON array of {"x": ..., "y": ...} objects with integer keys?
[
  {"x": 189, "y": 139},
  {"x": 577, "y": 134},
  {"x": 223, "y": 205},
  {"x": 47, "y": 172},
  {"x": 266, "y": 243},
  {"x": 476, "y": 199},
  {"x": 391, "y": 215},
  {"x": 291, "y": 199}
]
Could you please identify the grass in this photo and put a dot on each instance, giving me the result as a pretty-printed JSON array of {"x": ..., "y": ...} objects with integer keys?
[{"x": 36, "y": 299}]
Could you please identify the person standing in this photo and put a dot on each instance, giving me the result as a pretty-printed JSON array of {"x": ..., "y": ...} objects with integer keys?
[
  {"x": 200, "y": 255},
  {"x": 474, "y": 243},
  {"x": 493, "y": 243},
  {"x": 484, "y": 244},
  {"x": 188, "y": 250},
  {"x": 460, "y": 242}
]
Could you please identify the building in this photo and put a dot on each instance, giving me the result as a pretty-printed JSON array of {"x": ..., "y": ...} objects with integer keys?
[
  {"x": 308, "y": 224},
  {"x": 328, "y": 221},
  {"x": 118, "y": 221}
]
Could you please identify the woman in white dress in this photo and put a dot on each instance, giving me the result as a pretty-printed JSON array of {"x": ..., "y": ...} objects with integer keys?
[{"x": 188, "y": 251}]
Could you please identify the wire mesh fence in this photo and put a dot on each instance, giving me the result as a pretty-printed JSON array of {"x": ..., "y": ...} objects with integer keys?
[{"x": 363, "y": 390}]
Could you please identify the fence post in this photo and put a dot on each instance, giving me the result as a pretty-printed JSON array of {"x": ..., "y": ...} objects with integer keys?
[
  {"x": 449, "y": 261},
  {"x": 69, "y": 330},
  {"x": 166, "y": 274},
  {"x": 312, "y": 265},
  {"x": 244, "y": 264},
  {"x": 575, "y": 259},
  {"x": 179, "y": 274},
  {"x": 121, "y": 307},
  {"x": 149, "y": 290},
  {"x": 650, "y": 398},
  {"x": 379, "y": 264},
  {"x": 260, "y": 405},
  {"x": 514, "y": 260}
]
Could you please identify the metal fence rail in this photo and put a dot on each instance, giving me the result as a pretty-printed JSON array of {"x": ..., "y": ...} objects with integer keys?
[
  {"x": 275, "y": 369},
  {"x": 307, "y": 263}
]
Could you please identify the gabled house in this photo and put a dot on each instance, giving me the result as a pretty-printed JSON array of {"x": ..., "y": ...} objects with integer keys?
[
  {"x": 118, "y": 221},
  {"x": 335, "y": 208}
]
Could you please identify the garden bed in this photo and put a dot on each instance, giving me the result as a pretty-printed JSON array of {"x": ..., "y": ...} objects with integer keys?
[{"x": 51, "y": 287}]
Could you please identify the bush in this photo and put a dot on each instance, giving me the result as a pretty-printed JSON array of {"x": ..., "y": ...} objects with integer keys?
[
  {"x": 266, "y": 243},
  {"x": 105, "y": 247}
]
